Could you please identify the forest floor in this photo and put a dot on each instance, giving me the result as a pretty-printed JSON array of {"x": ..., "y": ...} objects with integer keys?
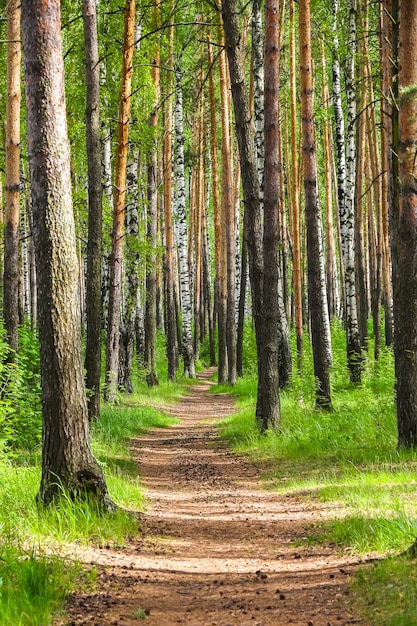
[{"x": 215, "y": 546}]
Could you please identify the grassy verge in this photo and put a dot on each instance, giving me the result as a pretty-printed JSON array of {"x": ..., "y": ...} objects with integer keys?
[
  {"x": 34, "y": 583},
  {"x": 348, "y": 459}
]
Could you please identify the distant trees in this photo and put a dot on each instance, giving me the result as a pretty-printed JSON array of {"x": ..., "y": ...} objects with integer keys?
[{"x": 178, "y": 238}]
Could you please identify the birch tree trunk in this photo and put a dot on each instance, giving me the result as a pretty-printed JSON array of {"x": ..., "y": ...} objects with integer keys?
[
  {"x": 67, "y": 461},
  {"x": 258, "y": 86},
  {"x": 181, "y": 225},
  {"x": 170, "y": 316},
  {"x": 113, "y": 324},
  {"x": 12, "y": 212},
  {"x": 95, "y": 193},
  {"x": 346, "y": 159},
  {"x": 320, "y": 328}
]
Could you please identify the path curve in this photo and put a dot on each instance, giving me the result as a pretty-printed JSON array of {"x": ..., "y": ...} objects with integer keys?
[{"x": 216, "y": 548}]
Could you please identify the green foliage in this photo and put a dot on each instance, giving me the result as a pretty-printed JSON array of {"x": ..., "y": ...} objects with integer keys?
[
  {"x": 386, "y": 592},
  {"x": 349, "y": 460},
  {"x": 20, "y": 403},
  {"x": 33, "y": 587}
]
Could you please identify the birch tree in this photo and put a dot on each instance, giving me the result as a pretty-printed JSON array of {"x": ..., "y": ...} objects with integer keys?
[
  {"x": 181, "y": 226},
  {"x": 346, "y": 166}
]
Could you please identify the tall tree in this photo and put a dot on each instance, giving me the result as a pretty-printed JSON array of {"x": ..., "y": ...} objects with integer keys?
[
  {"x": 229, "y": 221},
  {"x": 320, "y": 330},
  {"x": 295, "y": 202},
  {"x": 170, "y": 315},
  {"x": 346, "y": 163},
  {"x": 119, "y": 199},
  {"x": 152, "y": 229},
  {"x": 95, "y": 195},
  {"x": 270, "y": 411},
  {"x": 181, "y": 223},
  {"x": 67, "y": 461},
  {"x": 265, "y": 415},
  {"x": 405, "y": 232},
  {"x": 11, "y": 229}
]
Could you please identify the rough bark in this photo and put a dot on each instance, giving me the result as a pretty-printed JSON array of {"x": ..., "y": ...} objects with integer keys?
[
  {"x": 316, "y": 278},
  {"x": 67, "y": 461},
  {"x": 295, "y": 202},
  {"x": 95, "y": 194},
  {"x": 116, "y": 259},
  {"x": 12, "y": 212},
  {"x": 250, "y": 182},
  {"x": 405, "y": 222},
  {"x": 228, "y": 210},
  {"x": 219, "y": 308}
]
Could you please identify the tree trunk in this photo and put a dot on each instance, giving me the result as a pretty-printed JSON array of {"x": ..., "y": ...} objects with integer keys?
[
  {"x": 152, "y": 235},
  {"x": 67, "y": 461},
  {"x": 113, "y": 324},
  {"x": 181, "y": 224},
  {"x": 295, "y": 203},
  {"x": 11, "y": 228},
  {"x": 250, "y": 182},
  {"x": 95, "y": 194},
  {"x": 170, "y": 316},
  {"x": 228, "y": 206},
  {"x": 346, "y": 159},
  {"x": 220, "y": 307},
  {"x": 405, "y": 223},
  {"x": 316, "y": 278}
]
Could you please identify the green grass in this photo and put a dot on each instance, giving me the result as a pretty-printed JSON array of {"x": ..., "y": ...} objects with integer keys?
[
  {"x": 33, "y": 586},
  {"x": 347, "y": 459}
]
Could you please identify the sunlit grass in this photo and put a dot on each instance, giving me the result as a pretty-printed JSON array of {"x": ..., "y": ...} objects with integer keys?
[{"x": 347, "y": 459}]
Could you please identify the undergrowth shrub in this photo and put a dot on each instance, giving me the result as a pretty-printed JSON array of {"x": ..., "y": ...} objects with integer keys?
[{"x": 20, "y": 394}]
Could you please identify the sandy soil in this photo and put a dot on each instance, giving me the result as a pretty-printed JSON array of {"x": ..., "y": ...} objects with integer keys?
[{"x": 216, "y": 549}]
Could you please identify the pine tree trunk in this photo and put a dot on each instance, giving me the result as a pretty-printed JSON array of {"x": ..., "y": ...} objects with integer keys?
[
  {"x": 386, "y": 158},
  {"x": 405, "y": 225},
  {"x": 331, "y": 275},
  {"x": 12, "y": 212},
  {"x": 295, "y": 205},
  {"x": 320, "y": 332},
  {"x": 95, "y": 193},
  {"x": 116, "y": 259},
  {"x": 228, "y": 206},
  {"x": 221, "y": 285},
  {"x": 67, "y": 461}
]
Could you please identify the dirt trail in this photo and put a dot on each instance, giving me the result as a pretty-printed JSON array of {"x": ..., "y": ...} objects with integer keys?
[{"x": 216, "y": 548}]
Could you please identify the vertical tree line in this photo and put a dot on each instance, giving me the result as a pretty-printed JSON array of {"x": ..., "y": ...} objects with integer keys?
[{"x": 295, "y": 160}]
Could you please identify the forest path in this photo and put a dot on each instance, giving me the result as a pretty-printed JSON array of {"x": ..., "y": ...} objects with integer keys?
[{"x": 216, "y": 548}]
